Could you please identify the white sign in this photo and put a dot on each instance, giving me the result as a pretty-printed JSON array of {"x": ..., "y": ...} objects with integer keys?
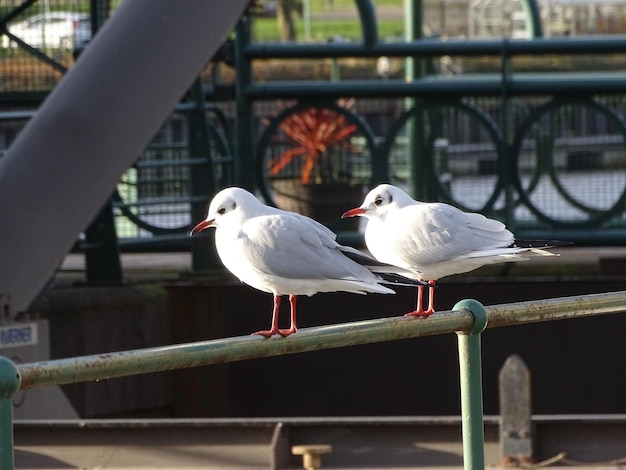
[{"x": 18, "y": 334}]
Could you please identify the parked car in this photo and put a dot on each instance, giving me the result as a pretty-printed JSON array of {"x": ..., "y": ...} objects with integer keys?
[{"x": 55, "y": 29}]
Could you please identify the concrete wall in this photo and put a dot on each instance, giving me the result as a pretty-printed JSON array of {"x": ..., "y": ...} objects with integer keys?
[{"x": 93, "y": 320}]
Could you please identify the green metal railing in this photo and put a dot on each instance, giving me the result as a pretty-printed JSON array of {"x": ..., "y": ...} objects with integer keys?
[
  {"x": 521, "y": 140},
  {"x": 521, "y": 117},
  {"x": 468, "y": 319}
]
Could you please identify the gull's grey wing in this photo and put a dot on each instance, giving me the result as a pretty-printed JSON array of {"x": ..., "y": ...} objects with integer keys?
[{"x": 294, "y": 246}]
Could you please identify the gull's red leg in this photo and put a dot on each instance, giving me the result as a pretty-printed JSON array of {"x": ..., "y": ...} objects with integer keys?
[
  {"x": 431, "y": 298},
  {"x": 418, "y": 305},
  {"x": 419, "y": 308},
  {"x": 294, "y": 327},
  {"x": 274, "y": 328}
]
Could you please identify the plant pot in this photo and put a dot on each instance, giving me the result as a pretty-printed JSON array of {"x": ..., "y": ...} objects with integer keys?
[{"x": 322, "y": 202}]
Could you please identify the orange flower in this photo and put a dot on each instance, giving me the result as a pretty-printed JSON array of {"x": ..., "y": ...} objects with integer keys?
[{"x": 313, "y": 132}]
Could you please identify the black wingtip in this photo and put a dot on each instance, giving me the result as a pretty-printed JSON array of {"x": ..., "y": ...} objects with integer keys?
[
  {"x": 399, "y": 280},
  {"x": 540, "y": 243},
  {"x": 379, "y": 268},
  {"x": 362, "y": 258}
]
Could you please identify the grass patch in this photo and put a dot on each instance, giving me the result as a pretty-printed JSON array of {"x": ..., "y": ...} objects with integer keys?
[
  {"x": 342, "y": 20},
  {"x": 266, "y": 29}
]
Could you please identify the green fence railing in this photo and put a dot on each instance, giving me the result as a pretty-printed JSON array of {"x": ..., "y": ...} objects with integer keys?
[
  {"x": 510, "y": 142},
  {"x": 541, "y": 147},
  {"x": 468, "y": 319}
]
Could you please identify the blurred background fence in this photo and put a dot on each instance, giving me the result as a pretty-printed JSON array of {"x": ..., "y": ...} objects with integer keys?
[{"x": 530, "y": 131}]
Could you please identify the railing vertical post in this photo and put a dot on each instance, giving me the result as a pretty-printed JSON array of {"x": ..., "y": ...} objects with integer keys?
[
  {"x": 9, "y": 384},
  {"x": 414, "y": 70},
  {"x": 244, "y": 130},
  {"x": 470, "y": 371},
  {"x": 202, "y": 178}
]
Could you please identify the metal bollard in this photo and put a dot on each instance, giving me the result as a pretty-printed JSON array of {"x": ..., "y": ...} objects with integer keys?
[
  {"x": 311, "y": 455},
  {"x": 516, "y": 431}
]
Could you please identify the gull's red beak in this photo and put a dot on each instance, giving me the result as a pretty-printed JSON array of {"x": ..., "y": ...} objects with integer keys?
[
  {"x": 201, "y": 226},
  {"x": 353, "y": 212}
]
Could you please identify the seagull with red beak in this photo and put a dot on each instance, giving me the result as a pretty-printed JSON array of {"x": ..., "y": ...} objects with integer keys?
[
  {"x": 428, "y": 241},
  {"x": 283, "y": 253}
]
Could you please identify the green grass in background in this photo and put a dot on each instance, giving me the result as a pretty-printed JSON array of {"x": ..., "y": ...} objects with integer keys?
[
  {"x": 266, "y": 29},
  {"x": 324, "y": 27}
]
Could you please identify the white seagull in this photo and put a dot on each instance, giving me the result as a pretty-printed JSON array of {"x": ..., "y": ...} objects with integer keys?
[
  {"x": 431, "y": 240},
  {"x": 283, "y": 253}
]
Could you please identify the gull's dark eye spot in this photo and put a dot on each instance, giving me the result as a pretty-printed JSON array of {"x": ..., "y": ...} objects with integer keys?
[
  {"x": 378, "y": 201},
  {"x": 221, "y": 211}
]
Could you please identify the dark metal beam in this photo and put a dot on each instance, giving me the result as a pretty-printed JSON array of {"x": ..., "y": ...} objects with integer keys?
[{"x": 68, "y": 159}]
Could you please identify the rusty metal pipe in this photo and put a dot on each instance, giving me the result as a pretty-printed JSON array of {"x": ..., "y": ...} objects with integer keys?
[{"x": 119, "y": 364}]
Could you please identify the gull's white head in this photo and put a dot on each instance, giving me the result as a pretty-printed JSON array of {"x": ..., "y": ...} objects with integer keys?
[
  {"x": 229, "y": 206},
  {"x": 379, "y": 201}
]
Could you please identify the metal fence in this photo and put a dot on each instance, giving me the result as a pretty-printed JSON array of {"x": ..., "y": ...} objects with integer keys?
[
  {"x": 531, "y": 132},
  {"x": 39, "y": 42},
  {"x": 543, "y": 152},
  {"x": 155, "y": 199},
  {"x": 468, "y": 319}
]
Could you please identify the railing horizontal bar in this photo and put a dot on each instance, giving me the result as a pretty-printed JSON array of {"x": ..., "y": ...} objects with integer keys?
[
  {"x": 16, "y": 115},
  {"x": 306, "y": 421},
  {"x": 163, "y": 200},
  {"x": 220, "y": 351},
  {"x": 178, "y": 239},
  {"x": 104, "y": 366},
  {"x": 577, "y": 235},
  {"x": 172, "y": 162},
  {"x": 556, "y": 309},
  {"x": 462, "y": 85},
  {"x": 435, "y": 47}
]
